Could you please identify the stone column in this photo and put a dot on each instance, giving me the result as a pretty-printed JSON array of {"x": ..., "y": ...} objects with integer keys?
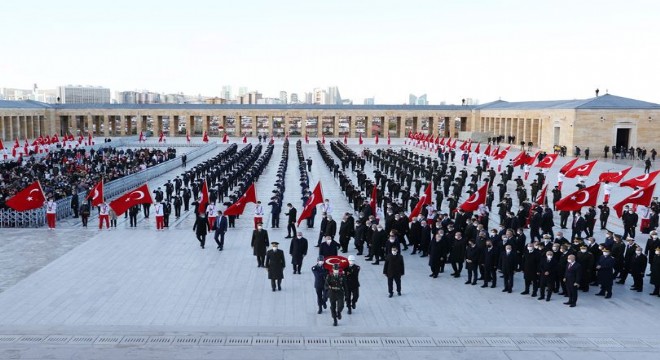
[
  {"x": 352, "y": 125},
  {"x": 174, "y": 125},
  {"x": 3, "y": 128},
  {"x": 271, "y": 119},
  {"x": 319, "y": 126},
  {"x": 255, "y": 128},
  {"x": 335, "y": 126},
  {"x": 206, "y": 121},
  {"x": 237, "y": 122}
]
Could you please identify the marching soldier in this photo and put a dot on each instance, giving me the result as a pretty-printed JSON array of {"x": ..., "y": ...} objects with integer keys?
[
  {"x": 352, "y": 283},
  {"x": 320, "y": 274},
  {"x": 335, "y": 284}
]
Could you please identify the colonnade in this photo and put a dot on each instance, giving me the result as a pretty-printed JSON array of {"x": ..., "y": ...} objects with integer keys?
[
  {"x": 23, "y": 126},
  {"x": 524, "y": 129}
]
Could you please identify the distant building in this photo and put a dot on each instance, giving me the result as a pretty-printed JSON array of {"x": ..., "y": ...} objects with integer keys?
[
  {"x": 369, "y": 101},
  {"x": 414, "y": 100},
  {"x": 242, "y": 91},
  {"x": 309, "y": 98},
  {"x": 83, "y": 94},
  {"x": 250, "y": 98},
  {"x": 422, "y": 100},
  {"x": 283, "y": 97},
  {"x": 294, "y": 98},
  {"x": 226, "y": 92},
  {"x": 215, "y": 100},
  {"x": 320, "y": 97},
  {"x": 333, "y": 96}
]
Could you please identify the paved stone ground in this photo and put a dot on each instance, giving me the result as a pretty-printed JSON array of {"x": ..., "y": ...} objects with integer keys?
[{"x": 138, "y": 293}]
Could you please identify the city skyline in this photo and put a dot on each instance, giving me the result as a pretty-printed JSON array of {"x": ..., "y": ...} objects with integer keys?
[{"x": 383, "y": 50}]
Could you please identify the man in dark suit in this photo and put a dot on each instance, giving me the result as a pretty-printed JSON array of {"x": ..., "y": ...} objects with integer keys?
[
  {"x": 291, "y": 222},
  {"x": 490, "y": 262},
  {"x": 220, "y": 227},
  {"x": 579, "y": 225},
  {"x": 394, "y": 269},
  {"x": 331, "y": 227},
  {"x": 630, "y": 219},
  {"x": 605, "y": 270},
  {"x": 346, "y": 230},
  {"x": 259, "y": 244},
  {"x": 572, "y": 279},
  {"x": 457, "y": 254},
  {"x": 298, "y": 250},
  {"x": 275, "y": 264},
  {"x": 547, "y": 274},
  {"x": 508, "y": 267}
]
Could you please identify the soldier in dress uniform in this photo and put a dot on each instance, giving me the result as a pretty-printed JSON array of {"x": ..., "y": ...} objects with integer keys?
[
  {"x": 320, "y": 274},
  {"x": 335, "y": 284},
  {"x": 275, "y": 265},
  {"x": 352, "y": 283}
]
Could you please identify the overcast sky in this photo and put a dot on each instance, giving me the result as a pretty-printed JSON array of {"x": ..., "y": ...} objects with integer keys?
[{"x": 449, "y": 49}]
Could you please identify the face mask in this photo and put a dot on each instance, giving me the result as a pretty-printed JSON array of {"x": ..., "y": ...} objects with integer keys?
[
  {"x": 571, "y": 261},
  {"x": 336, "y": 272},
  {"x": 328, "y": 241},
  {"x": 638, "y": 252},
  {"x": 320, "y": 263},
  {"x": 259, "y": 227},
  {"x": 394, "y": 252},
  {"x": 274, "y": 248},
  {"x": 392, "y": 240},
  {"x": 606, "y": 254},
  {"x": 549, "y": 257},
  {"x": 657, "y": 252},
  {"x": 531, "y": 249},
  {"x": 508, "y": 251},
  {"x": 555, "y": 249},
  {"x": 583, "y": 250}
]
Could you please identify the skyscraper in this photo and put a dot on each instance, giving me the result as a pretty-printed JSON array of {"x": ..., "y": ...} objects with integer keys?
[
  {"x": 294, "y": 98},
  {"x": 422, "y": 100},
  {"x": 412, "y": 99},
  {"x": 369, "y": 101},
  {"x": 226, "y": 92},
  {"x": 283, "y": 97},
  {"x": 83, "y": 94}
]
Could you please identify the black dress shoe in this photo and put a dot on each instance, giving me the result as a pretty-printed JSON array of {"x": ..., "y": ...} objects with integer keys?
[
  {"x": 608, "y": 296},
  {"x": 600, "y": 294},
  {"x": 567, "y": 303},
  {"x": 484, "y": 285},
  {"x": 339, "y": 316},
  {"x": 391, "y": 295},
  {"x": 398, "y": 293},
  {"x": 572, "y": 305},
  {"x": 468, "y": 282},
  {"x": 493, "y": 286}
]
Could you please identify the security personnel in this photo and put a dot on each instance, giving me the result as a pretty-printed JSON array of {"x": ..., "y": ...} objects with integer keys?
[
  {"x": 275, "y": 264},
  {"x": 320, "y": 274},
  {"x": 352, "y": 283},
  {"x": 177, "y": 205},
  {"x": 335, "y": 283}
]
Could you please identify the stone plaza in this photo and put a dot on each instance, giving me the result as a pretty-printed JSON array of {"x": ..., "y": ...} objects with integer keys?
[{"x": 141, "y": 294}]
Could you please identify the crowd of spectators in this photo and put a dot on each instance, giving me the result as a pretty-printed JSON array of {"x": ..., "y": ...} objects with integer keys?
[{"x": 68, "y": 171}]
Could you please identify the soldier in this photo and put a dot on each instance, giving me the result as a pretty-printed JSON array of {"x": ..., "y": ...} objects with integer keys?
[
  {"x": 104, "y": 215},
  {"x": 298, "y": 250},
  {"x": 352, "y": 283},
  {"x": 258, "y": 214},
  {"x": 320, "y": 274},
  {"x": 655, "y": 272},
  {"x": 259, "y": 244},
  {"x": 177, "y": 205},
  {"x": 275, "y": 265},
  {"x": 291, "y": 221},
  {"x": 84, "y": 213},
  {"x": 186, "y": 198},
  {"x": 335, "y": 284},
  {"x": 167, "y": 211},
  {"x": 394, "y": 269}
]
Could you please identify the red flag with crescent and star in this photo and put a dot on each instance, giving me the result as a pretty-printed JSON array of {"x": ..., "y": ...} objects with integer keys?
[
  {"x": 205, "y": 137},
  {"x": 140, "y": 139},
  {"x": 225, "y": 138},
  {"x": 502, "y": 155},
  {"x": 244, "y": 139},
  {"x": 30, "y": 198},
  {"x": 583, "y": 197},
  {"x": 360, "y": 140},
  {"x": 374, "y": 199},
  {"x": 96, "y": 194},
  {"x": 330, "y": 261},
  {"x": 547, "y": 161},
  {"x": 582, "y": 170},
  {"x": 238, "y": 207},
  {"x": 613, "y": 177},
  {"x": 641, "y": 196},
  {"x": 323, "y": 139},
  {"x": 476, "y": 199},
  {"x": 424, "y": 200},
  {"x": 541, "y": 198},
  {"x": 161, "y": 138},
  {"x": 641, "y": 181},
  {"x": 141, "y": 195},
  {"x": 568, "y": 166},
  {"x": 188, "y": 137},
  {"x": 376, "y": 139},
  {"x": 315, "y": 199},
  {"x": 389, "y": 141},
  {"x": 204, "y": 198}
]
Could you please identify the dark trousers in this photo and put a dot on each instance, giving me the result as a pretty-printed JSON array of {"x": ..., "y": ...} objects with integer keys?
[
  {"x": 490, "y": 274},
  {"x": 276, "y": 281},
  {"x": 275, "y": 221},
  {"x": 133, "y": 220},
  {"x": 260, "y": 260},
  {"x": 638, "y": 281},
  {"x": 572, "y": 292},
  {"x": 547, "y": 287},
  {"x": 472, "y": 272},
  {"x": 310, "y": 222},
  {"x": 84, "y": 220},
  {"x": 603, "y": 223},
  {"x": 508, "y": 281},
  {"x": 177, "y": 211},
  {"x": 336, "y": 302},
  {"x": 534, "y": 284},
  {"x": 628, "y": 231},
  {"x": 291, "y": 229},
  {"x": 352, "y": 296},
  {"x": 457, "y": 267},
  {"x": 321, "y": 296},
  {"x": 343, "y": 243},
  {"x": 297, "y": 267},
  {"x": 166, "y": 221},
  {"x": 390, "y": 284},
  {"x": 220, "y": 239},
  {"x": 145, "y": 210},
  {"x": 202, "y": 240},
  {"x": 605, "y": 287}
]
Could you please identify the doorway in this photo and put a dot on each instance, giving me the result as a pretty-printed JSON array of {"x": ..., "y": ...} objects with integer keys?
[
  {"x": 623, "y": 137},
  {"x": 556, "y": 135}
]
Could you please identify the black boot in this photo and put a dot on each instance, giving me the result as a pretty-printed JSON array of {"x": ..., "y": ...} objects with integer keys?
[
  {"x": 334, "y": 319},
  {"x": 320, "y": 310}
]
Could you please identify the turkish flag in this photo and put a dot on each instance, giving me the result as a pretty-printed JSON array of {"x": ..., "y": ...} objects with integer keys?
[
  {"x": 205, "y": 137},
  {"x": 54, "y": 139},
  {"x": 374, "y": 199},
  {"x": 244, "y": 139},
  {"x": 476, "y": 199},
  {"x": 330, "y": 261},
  {"x": 225, "y": 138},
  {"x": 237, "y": 208},
  {"x": 614, "y": 177},
  {"x": 641, "y": 196},
  {"x": 345, "y": 139},
  {"x": 453, "y": 146},
  {"x": 425, "y": 199},
  {"x": 360, "y": 141},
  {"x": 140, "y": 139},
  {"x": 503, "y": 153},
  {"x": 376, "y": 139},
  {"x": 96, "y": 194},
  {"x": 547, "y": 161},
  {"x": 568, "y": 166},
  {"x": 583, "y": 197},
  {"x": 141, "y": 195},
  {"x": 495, "y": 153},
  {"x": 641, "y": 181},
  {"x": 389, "y": 141},
  {"x": 442, "y": 141},
  {"x": 541, "y": 198},
  {"x": 582, "y": 170},
  {"x": 2, "y": 146},
  {"x": 188, "y": 137},
  {"x": 314, "y": 199},
  {"x": 478, "y": 149},
  {"x": 161, "y": 138},
  {"x": 487, "y": 151},
  {"x": 463, "y": 146},
  {"x": 307, "y": 139},
  {"x": 204, "y": 198},
  {"x": 323, "y": 139},
  {"x": 520, "y": 159},
  {"x": 530, "y": 159},
  {"x": 30, "y": 198}
]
